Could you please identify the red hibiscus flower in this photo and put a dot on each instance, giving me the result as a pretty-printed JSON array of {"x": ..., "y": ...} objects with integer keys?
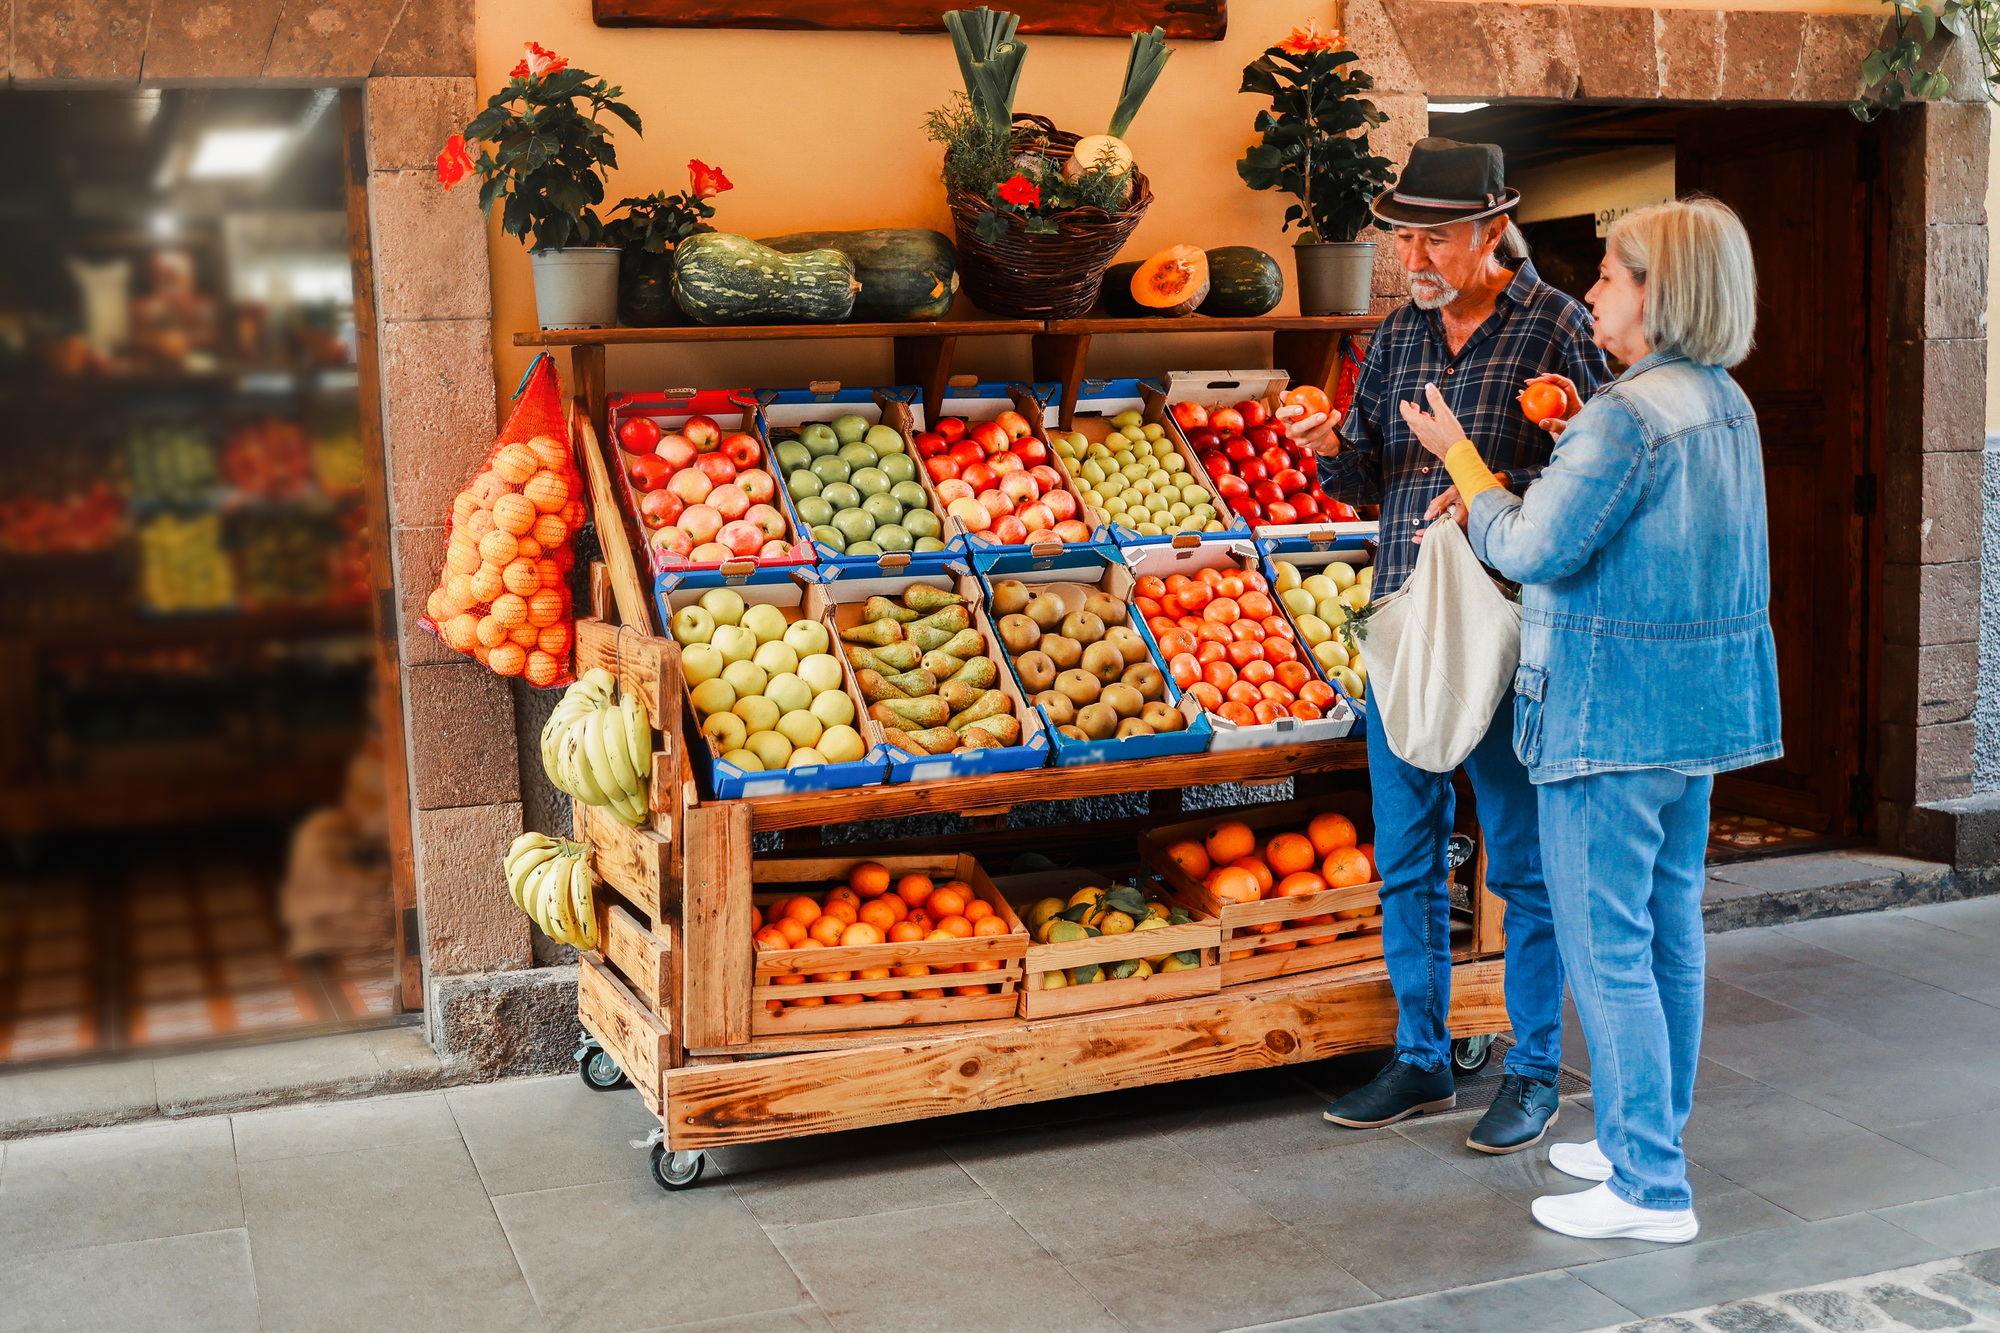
[
  {"x": 1018, "y": 189},
  {"x": 1309, "y": 40},
  {"x": 708, "y": 181},
  {"x": 455, "y": 162},
  {"x": 537, "y": 61}
]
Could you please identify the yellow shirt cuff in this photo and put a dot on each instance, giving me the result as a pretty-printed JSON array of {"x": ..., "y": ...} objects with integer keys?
[{"x": 1468, "y": 471}]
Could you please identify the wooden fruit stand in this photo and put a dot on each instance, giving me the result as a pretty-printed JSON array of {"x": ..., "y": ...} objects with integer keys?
[{"x": 671, "y": 996}]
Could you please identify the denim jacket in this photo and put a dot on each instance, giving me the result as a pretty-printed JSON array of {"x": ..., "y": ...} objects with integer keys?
[{"x": 1645, "y": 568}]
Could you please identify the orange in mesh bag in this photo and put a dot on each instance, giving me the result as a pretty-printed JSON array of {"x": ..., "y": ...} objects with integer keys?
[{"x": 503, "y": 595}]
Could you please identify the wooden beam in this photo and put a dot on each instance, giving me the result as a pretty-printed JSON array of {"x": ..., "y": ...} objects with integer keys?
[
  {"x": 926, "y": 363},
  {"x": 1059, "y": 359},
  {"x": 715, "y": 926},
  {"x": 628, "y": 587}
]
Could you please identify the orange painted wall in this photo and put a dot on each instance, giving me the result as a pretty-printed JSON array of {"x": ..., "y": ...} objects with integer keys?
[{"x": 824, "y": 130}]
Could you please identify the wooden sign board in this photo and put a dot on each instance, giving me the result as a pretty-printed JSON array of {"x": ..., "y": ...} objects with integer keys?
[{"x": 1184, "y": 20}]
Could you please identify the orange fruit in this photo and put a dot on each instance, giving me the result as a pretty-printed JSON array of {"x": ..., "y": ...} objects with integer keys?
[
  {"x": 905, "y": 931},
  {"x": 515, "y": 463},
  {"x": 1289, "y": 853},
  {"x": 956, "y": 926},
  {"x": 546, "y": 491},
  {"x": 555, "y": 640},
  {"x": 770, "y": 937},
  {"x": 877, "y": 974},
  {"x": 462, "y": 507},
  {"x": 894, "y": 904},
  {"x": 513, "y": 514},
  {"x": 1330, "y": 831},
  {"x": 968, "y": 991},
  {"x": 1346, "y": 867},
  {"x": 1367, "y": 849},
  {"x": 933, "y": 993},
  {"x": 497, "y": 547},
  {"x": 1298, "y": 884},
  {"x": 1279, "y": 947},
  {"x": 913, "y": 889},
  {"x": 490, "y": 632},
  {"x": 860, "y": 933},
  {"x": 844, "y": 911},
  {"x": 827, "y": 929},
  {"x": 543, "y": 670},
  {"x": 510, "y": 609},
  {"x": 524, "y": 635},
  {"x": 509, "y": 659},
  {"x": 944, "y": 903},
  {"x": 530, "y": 548},
  {"x": 521, "y": 577},
  {"x": 550, "y": 452},
  {"x": 802, "y": 910},
  {"x": 486, "y": 584},
  {"x": 789, "y": 979},
  {"x": 1258, "y": 871},
  {"x": 545, "y": 608},
  {"x": 942, "y": 934},
  {"x": 989, "y": 925},
  {"x": 461, "y": 631},
  {"x": 977, "y": 910},
  {"x": 550, "y": 531},
  {"x": 1233, "y": 884},
  {"x": 756, "y": 918},
  {"x": 870, "y": 879},
  {"x": 1191, "y": 857},
  {"x": 1309, "y": 396},
  {"x": 1230, "y": 841},
  {"x": 912, "y": 970},
  {"x": 462, "y": 556},
  {"x": 478, "y": 524},
  {"x": 793, "y": 931},
  {"x": 844, "y": 895},
  {"x": 919, "y": 917},
  {"x": 877, "y": 913}
]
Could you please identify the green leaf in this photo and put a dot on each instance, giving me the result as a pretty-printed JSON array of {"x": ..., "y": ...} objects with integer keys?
[
  {"x": 1873, "y": 67},
  {"x": 992, "y": 227}
]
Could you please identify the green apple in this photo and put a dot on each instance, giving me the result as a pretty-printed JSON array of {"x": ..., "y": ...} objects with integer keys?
[
  {"x": 792, "y": 455},
  {"x": 900, "y": 467},
  {"x": 700, "y": 662},
  {"x": 800, "y": 727},
  {"x": 736, "y": 643},
  {"x": 841, "y": 495},
  {"x": 894, "y": 537},
  {"x": 841, "y": 744},
  {"x": 814, "y": 511},
  {"x": 744, "y": 760},
  {"x": 871, "y": 480},
  {"x": 819, "y": 439},
  {"x": 693, "y": 625},
  {"x": 1332, "y": 610},
  {"x": 802, "y": 484},
  {"x": 746, "y": 678},
  {"x": 805, "y": 757},
  {"x": 712, "y": 696},
  {"x": 789, "y": 691},
  {"x": 831, "y": 467},
  {"x": 857, "y": 456},
  {"x": 884, "y": 440},
  {"x": 725, "y": 604},
  {"x": 808, "y": 638},
  {"x": 1348, "y": 680},
  {"x": 910, "y": 495},
  {"x": 765, "y": 621},
  {"x": 882, "y": 507},
  {"x": 757, "y": 712},
  {"x": 869, "y": 546},
  {"x": 770, "y": 747},
  {"x": 850, "y": 427},
  {"x": 929, "y": 544},
  {"x": 854, "y": 525},
  {"x": 776, "y": 657},
  {"x": 726, "y": 730},
  {"x": 821, "y": 671},
  {"x": 828, "y": 535}
]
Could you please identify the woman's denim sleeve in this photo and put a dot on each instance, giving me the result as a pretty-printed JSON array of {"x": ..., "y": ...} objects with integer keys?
[{"x": 1589, "y": 488}]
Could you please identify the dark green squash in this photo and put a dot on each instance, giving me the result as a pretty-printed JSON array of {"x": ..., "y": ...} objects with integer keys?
[
  {"x": 906, "y": 273},
  {"x": 1116, "y": 292},
  {"x": 1243, "y": 282},
  {"x": 725, "y": 279}
]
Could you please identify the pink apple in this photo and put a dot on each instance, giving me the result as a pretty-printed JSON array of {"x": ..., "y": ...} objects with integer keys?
[
  {"x": 1061, "y": 504},
  {"x": 702, "y": 521},
  {"x": 691, "y": 485},
  {"x": 990, "y": 437},
  {"x": 1019, "y": 486},
  {"x": 1014, "y": 424},
  {"x": 703, "y": 432},
  {"x": 953, "y": 488},
  {"x": 678, "y": 450},
  {"x": 1071, "y": 530},
  {"x": 757, "y": 484},
  {"x": 1035, "y": 517},
  {"x": 768, "y": 520},
  {"x": 729, "y": 501},
  {"x": 1049, "y": 478},
  {"x": 1009, "y": 530},
  {"x": 716, "y": 468},
  {"x": 1008, "y": 461},
  {"x": 659, "y": 508},
  {"x": 995, "y": 503},
  {"x": 740, "y": 449},
  {"x": 670, "y": 540},
  {"x": 773, "y": 549},
  {"x": 969, "y": 512},
  {"x": 741, "y": 537},
  {"x": 710, "y": 553}
]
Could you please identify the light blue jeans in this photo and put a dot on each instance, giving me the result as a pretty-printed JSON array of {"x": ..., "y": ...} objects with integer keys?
[
  {"x": 1413, "y": 816},
  {"x": 1624, "y": 854}
]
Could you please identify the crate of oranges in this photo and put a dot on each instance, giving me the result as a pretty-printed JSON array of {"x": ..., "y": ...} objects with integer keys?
[
  {"x": 1105, "y": 942},
  {"x": 844, "y": 944},
  {"x": 1208, "y": 611},
  {"x": 1293, "y": 883}
]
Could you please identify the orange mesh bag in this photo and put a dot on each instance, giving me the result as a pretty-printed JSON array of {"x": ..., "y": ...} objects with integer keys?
[{"x": 503, "y": 595}]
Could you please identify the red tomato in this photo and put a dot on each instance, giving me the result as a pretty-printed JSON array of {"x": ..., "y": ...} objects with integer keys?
[
  {"x": 1542, "y": 400},
  {"x": 1219, "y": 674},
  {"x": 1255, "y": 669},
  {"x": 1223, "y": 611},
  {"x": 1281, "y": 650},
  {"x": 1266, "y": 711},
  {"x": 1245, "y": 653}
]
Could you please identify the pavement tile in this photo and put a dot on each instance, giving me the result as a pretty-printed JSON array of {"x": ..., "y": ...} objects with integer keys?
[
  {"x": 1089, "y": 1194},
  {"x": 1871, "y": 1082},
  {"x": 1708, "y": 1272},
  {"x": 1364, "y": 1202},
  {"x": 1747, "y": 953},
  {"x": 1891, "y": 1006},
  {"x": 1806, "y": 1160},
  {"x": 1961, "y": 1224},
  {"x": 1245, "y": 1136},
  {"x": 981, "y": 1271},
  {"x": 626, "y": 1255},
  {"x": 403, "y": 1050},
  {"x": 78, "y": 1093},
  {"x": 1969, "y": 1142},
  {"x": 1733, "y": 1007},
  {"x": 854, "y": 1186},
  {"x": 1205, "y": 1289},
  {"x": 803, "y": 1319},
  {"x": 200, "y": 1282},
  {"x": 392, "y": 1238},
  {"x": 1909, "y": 945},
  {"x": 544, "y": 1133},
  {"x": 250, "y": 1071},
  {"x": 99, "y": 1187},
  {"x": 371, "y": 1122},
  {"x": 1970, "y": 916},
  {"x": 1544, "y": 1302}
]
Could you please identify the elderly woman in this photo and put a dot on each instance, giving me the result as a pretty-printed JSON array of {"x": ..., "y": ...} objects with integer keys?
[{"x": 1638, "y": 681}]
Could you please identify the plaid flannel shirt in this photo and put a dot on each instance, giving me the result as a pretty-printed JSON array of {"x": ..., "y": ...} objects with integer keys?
[{"x": 1533, "y": 330}]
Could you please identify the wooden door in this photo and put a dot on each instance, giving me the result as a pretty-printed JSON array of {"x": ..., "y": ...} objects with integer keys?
[{"x": 1808, "y": 187}]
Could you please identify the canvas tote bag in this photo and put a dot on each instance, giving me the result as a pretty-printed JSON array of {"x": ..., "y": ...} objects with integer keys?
[{"x": 1441, "y": 653}]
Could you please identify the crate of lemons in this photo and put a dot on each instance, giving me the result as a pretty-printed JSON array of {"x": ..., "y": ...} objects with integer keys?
[
  {"x": 1330, "y": 606},
  {"x": 1138, "y": 481},
  {"x": 1103, "y": 946}
]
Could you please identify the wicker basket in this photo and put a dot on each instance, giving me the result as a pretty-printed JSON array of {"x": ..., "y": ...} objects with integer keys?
[{"x": 1030, "y": 276}]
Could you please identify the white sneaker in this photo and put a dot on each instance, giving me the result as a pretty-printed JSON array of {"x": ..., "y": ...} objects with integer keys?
[
  {"x": 1585, "y": 1161},
  {"x": 1598, "y": 1214}
]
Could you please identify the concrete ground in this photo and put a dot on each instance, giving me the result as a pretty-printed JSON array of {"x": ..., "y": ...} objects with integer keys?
[{"x": 1846, "y": 1125}]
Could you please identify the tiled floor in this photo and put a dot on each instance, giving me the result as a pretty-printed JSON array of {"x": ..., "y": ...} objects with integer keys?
[{"x": 1846, "y": 1124}]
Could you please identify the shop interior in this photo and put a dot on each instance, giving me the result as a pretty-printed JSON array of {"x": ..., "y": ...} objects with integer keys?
[{"x": 191, "y": 783}]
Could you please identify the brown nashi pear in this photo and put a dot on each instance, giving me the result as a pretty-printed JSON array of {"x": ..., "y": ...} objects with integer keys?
[
  {"x": 1099, "y": 721},
  {"x": 1133, "y": 726},
  {"x": 1162, "y": 717},
  {"x": 1046, "y": 610},
  {"x": 1060, "y": 708},
  {"x": 1081, "y": 687},
  {"x": 1019, "y": 633},
  {"x": 1128, "y": 643},
  {"x": 1107, "y": 609},
  {"x": 1082, "y": 626},
  {"x": 1147, "y": 679},
  {"x": 1124, "y": 700},
  {"x": 1010, "y": 597},
  {"x": 1064, "y": 652},
  {"x": 1103, "y": 661},
  {"x": 1073, "y": 731},
  {"x": 1037, "y": 671}
]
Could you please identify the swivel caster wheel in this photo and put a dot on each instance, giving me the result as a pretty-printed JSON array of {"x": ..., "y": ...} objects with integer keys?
[
  {"x": 599, "y": 1072},
  {"x": 677, "y": 1170},
  {"x": 1470, "y": 1054}
]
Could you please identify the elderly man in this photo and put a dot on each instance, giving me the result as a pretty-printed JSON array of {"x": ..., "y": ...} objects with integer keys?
[{"x": 1480, "y": 324}]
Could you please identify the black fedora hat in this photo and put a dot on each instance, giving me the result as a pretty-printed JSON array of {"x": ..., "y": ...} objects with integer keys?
[{"x": 1447, "y": 181}]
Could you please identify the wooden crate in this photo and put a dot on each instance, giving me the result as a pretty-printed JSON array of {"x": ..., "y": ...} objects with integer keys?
[
  {"x": 1203, "y": 935},
  {"x": 774, "y": 879},
  {"x": 1247, "y": 926},
  {"x": 630, "y": 1033}
]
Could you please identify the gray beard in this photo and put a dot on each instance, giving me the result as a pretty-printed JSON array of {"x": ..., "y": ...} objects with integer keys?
[{"x": 1443, "y": 292}]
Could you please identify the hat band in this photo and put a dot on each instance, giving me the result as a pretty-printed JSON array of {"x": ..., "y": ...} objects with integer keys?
[{"x": 1426, "y": 201}]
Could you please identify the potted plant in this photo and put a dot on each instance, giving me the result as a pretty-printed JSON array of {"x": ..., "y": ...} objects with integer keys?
[
  {"x": 542, "y": 156},
  {"x": 1039, "y": 213},
  {"x": 646, "y": 236},
  {"x": 1315, "y": 148}
]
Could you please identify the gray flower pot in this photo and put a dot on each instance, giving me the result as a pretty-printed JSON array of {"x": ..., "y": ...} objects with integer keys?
[
  {"x": 1335, "y": 277},
  {"x": 576, "y": 287}
]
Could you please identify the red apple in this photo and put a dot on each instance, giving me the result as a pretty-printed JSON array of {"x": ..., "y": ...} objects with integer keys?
[
  {"x": 648, "y": 472},
  {"x": 1280, "y": 512},
  {"x": 1071, "y": 530},
  {"x": 1227, "y": 420},
  {"x": 952, "y": 428},
  {"x": 1020, "y": 487},
  {"x": 1238, "y": 448},
  {"x": 659, "y": 508},
  {"x": 1031, "y": 450},
  {"x": 768, "y": 520},
  {"x": 678, "y": 450},
  {"x": 716, "y": 467},
  {"x": 701, "y": 522},
  {"x": 730, "y": 501},
  {"x": 740, "y": 449},
  {"x": 741, "y": 537},
  {"x": 704, "y": 432},
  {"x": 757, "y": 484},
  {"x": 1189, "y": 415},
  {"x": 965, "y": 453},
  {"x": 990, "y": 436},
  {"x": 1061, "y": 503},
  {"x": 1253, "y": 469},
  {"x": 1247, "y": 508},
  {"x": 1014, "y": 424},
  {"x": 955, "y": 488},
  {"x": 1215, "y": 463},
  {"x": 979, "y": 476},
  {"x": 1275, "y": 461},
  {"x": 1264, "y": 493},
  {"x": 930, "y": 444},
  {"x": 1035, "y": 517},
  {"x": 1006, "y": 461},
  {"x": 638, "y": 434},
  {"x": 942, "y": 467},
  {"x": 1289, "y": 479},
  {"x": 1049, "y": 478},
  {"x": 1253, "y": 412},
  {"x": 1205, "y": 437},
  {"x": 1307, "y": 504},
  {"x": 971, "y": 515},
  {"x": 995, "y": 503},
  {"x": 1341, "y": 513},
  {"x": 1264, "y": 437},
  {"x": 671, "y": 540},
  {"x": 1231, "y": 487},
  {"x": 710, "y": 553},
  {"x": 692, "y": 485},
  {"x": 1009, "y": 530}
]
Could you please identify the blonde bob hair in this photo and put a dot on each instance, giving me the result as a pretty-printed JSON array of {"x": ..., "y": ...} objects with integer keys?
[{"x": 1693, "y": 258}]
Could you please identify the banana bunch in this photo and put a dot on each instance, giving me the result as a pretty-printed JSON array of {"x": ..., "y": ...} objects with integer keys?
[
  {"x": 550, "y": 881},
  {"x": 598, "y": 747}
]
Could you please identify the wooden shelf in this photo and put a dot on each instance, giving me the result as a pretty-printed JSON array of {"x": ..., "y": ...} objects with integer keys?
[
  {"x": 704, "y": 333},
  {"x": 1204, "y": 324}
]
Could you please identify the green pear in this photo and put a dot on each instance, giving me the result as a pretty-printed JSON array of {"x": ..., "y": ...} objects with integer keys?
[
  {"x": 881, "y": 608},
  {"x": 923, "y": 597},
  {"x": 990, "y": 704},
  {"x": 878, "y": 633},
  {"x": 930, "y": 712}
]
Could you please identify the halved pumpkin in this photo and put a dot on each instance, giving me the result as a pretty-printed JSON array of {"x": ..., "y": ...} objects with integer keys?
[{"x": 1172, "y": 282}]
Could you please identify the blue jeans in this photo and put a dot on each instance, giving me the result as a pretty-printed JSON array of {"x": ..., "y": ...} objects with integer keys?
[
  {"x": 1625, "y": 860},
  {"x": 1413, "y": 818}
]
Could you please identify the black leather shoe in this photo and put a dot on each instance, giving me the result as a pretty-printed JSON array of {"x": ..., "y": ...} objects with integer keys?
[
  {"x": 1519, "y": 1116},
  {"x": 1399, "y": 1091}
]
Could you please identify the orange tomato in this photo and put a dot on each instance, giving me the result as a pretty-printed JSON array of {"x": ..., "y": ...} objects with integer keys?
[
  {"x": 1223, "y": 611},
  {"x": 1192, "y": 858},
  {"x": 1294, "y": 675},
  {"x": 1236, "y": 886},
  {"x": 1229, "y": 841},
  {"x": 1317, "y": 692},
  {"x": 1210, "y": 651},
  {"x": 1151, "y": 585},
  {"x": 1329, "y": 832},
  {"x": 1185, "y": 668},
  {"x": 1243, "y": 692},
  {"x": 913, "y": 889},
  {"x": 1275, "y": 692},
  {"x": 1211, "y": 576},
  {"x": 1230, "y": 584},
  {"x": 1289, "y": 853},
  {"x": 1306, "y": 712},
  {"x": 1219, "y": 674},
  {"x": 1309, "y": 396},
  {"x": 1264, "y": 710},
  {"x": 1255, "y": 582},
  {"x": 1238, "y": 713},
  {"x": 1540, "y": 401},
  {"x": 1175, "y": 582},
  {"x": 1206, "y": 695},
  {"x": 1148, "y": 606},
  {"x": 1195, "y": 596},
  {"x": 1245, "y": 653},
  {"x": 1278, "y": 628},
  {"x": 1176, "y": 641},
  {"x": 1253, "y": 666},
  {"x": 1256, "y": 605},
  {"x": 1173, "y": 607},
  {"x": 1281, "y": 650}
]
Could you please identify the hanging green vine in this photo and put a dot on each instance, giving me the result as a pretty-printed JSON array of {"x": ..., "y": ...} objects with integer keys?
[{"x": 1894, "y": 74}]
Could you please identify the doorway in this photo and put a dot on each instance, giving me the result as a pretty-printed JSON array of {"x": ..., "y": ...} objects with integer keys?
[
  {"x": 1807, "y": 184},
  {"x": 195, "y": 791}
]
